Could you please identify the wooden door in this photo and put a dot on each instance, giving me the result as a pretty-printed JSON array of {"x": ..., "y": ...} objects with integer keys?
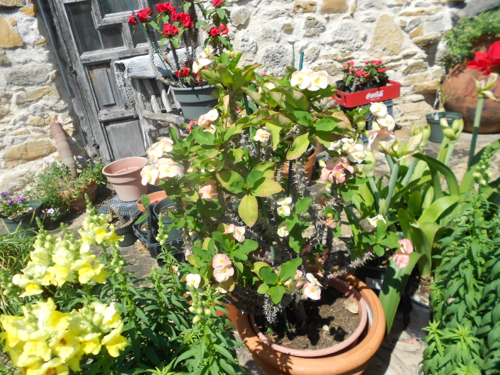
[{"x": 92, "y": 34}]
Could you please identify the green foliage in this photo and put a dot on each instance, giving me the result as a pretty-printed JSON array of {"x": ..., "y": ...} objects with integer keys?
[
  {"x": 461, "y": 39},
  {"x": 464, "y": 337}
]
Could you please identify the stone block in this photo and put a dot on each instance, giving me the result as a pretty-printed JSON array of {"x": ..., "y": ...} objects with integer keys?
[
  {"x": 418, "y": 31},
  {"x": 35, "y": 75},
  {"x": 410, "y": 52},
  {"x": 20, "y": 132},
  {"x": 426, "y": 87},
  {"x": 415, "y": 67},
  {"x": 420, "y": 11},
  {"x": 12, "y": 3},
  {"x": 36, "y": 121},
  {"x": 334, "y": 6},
  {"x": 28, "y": 151},
  {"x": 4, "y": 112},
  {"x": 30, "y": 10},
  {"x": 387, "y": 37},
  {"x": 8, "y": 37},
  {"x": 287, "y": 28},
  {"x": 304, "y": 7},
  {"x": 270, "y": 34},
  {"x": 311, "y": 54},
  {"x": 427, "y": 40},
  {"x": 33, "y": 95},
  {"x": 4, "y": 61},
  {"x": 241, "y": 17},
  {"x": 313, "y": 27},
  {"x": 415, "y": 78}
]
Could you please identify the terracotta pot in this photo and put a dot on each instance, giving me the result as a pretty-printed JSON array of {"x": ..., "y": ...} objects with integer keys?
[
  {"x": 460, "y": 87},
  {"x": 352, "y": 361},
  {"x": 350, "y": 293},
  {"x": 78, "y": 204},
  {"x": 309, "y": 165},
  {"x": 153, "y": 197},
  {"x": 125, "y": 175}
]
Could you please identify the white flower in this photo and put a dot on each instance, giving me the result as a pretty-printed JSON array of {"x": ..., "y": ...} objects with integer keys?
[
  {"x": 207, "y": 52},
  {"x": 378, "y": 109},
  {"x": 386, "y": 122},
  {"x": 222, "y": 274},
  {"x": 167, "y": 168},
  {"x": 357, "y": 154},
  {"x": 348, "y": 145},
  {"x": 269, "y": 85},
  {"x": 285, "y": 201},
  {"x": 212, "y": 115},
  {"x": 319, "y": 80},
  {"x": 284, "y": 210},
  {"x": 369, "y": 224},
  {"x": 200, "y": 64},
  {"x": 301, "y": 79},
  {"x": 193, "y": 279},
  {"x": 211, "y": 129},
  {"x": 310, "y": 277},
  {"x": 237, "y": 232},
  {"x": 262, "y": 135},
  {"x": 149, "y": 175},
  {"x": 312, "y": 291},
  {"x": 282, "y": 231},
  {"x": 335, "y": 146}
]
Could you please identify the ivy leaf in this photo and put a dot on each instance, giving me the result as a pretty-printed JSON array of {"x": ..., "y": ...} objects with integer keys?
[
  {"x": 288, "y": 269},
  {"x": 276, "y": 293},
  {"x": 263, "y": 289},
  {"x": 268, "y": 275},
  {"x": 249, "y": 210},
  {"x": 299, "y": 146}
]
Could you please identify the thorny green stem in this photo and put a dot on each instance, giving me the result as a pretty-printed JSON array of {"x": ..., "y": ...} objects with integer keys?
[{"x": 477, "y": 122}]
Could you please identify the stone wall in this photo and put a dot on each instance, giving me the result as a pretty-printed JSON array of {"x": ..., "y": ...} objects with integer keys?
[
  {"x": 29, "y": 94},
  {"x": 405, "y": 34}
]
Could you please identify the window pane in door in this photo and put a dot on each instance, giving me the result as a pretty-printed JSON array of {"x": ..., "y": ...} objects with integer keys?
[
  {"x": 137, "y": 35},
  {"x": 116, "y": 6},
  {"x": 80, "y": 17},
  {"x": 112, "y": 36}
]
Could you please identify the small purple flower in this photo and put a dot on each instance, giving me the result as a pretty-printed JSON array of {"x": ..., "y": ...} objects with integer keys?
[
  {"x": 10, "y": 202},
  {"x": 79, "y": 157},
  {"x": 50, "y": 211},
  {"x": 21, "y": 199},
  {"x": 4, "y": 194}
]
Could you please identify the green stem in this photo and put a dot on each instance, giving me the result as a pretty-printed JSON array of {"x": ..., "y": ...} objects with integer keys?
[
  {"x": 445, "y": 145},
  {"x": 477, "y": 122},
  {"x": 376, "y": 193},
  {"x": 392, "y": 186},
  {"x": 449, "y": 151},
  {"x": 389, "y": 160},
  {"x": 410, "y": 171}
]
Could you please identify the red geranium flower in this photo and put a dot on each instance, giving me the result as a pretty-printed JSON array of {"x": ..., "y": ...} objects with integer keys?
[
  {"x": 144, "y": 14},
  {"x": 216, "y": 3},
  {"x": 170, "y": 30},
  {"x": 177, "y": 73},
  {"x": 360, "y": 73},
  {"x": 381, "y": 70},
  {"x": 176, "y": 16},
  {"x": 161, "y": 8},
  {"x": 186, "y": 20},
  {"x": 223, "y": 29},
  {"x": 132, "y": 20},
  {"x": 484, "y": 61},
  {"x": 214, "y": 31},
  {"x": 185, "y": 72}
]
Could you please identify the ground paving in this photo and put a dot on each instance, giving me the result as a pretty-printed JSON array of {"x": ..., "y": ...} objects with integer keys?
[{"x": 399, "y": 354}]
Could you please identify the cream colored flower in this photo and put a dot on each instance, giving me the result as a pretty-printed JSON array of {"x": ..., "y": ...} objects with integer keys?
[
  {"x": 282, "y": 230},
  {"x": 319, "y": 80},
  {"x": 200, "y": 63},
  {"x": 193, "y": 279},
  {"x": 284, "y": 210},
  {"x": 387, "y": 122},
  {"x": 167, "y": 168},
  {"x": 312, "y": 291},
  {"x": 301, "y": 79},
  {"x": 212, "y": 115},
  {"x": 378, "y": 109},
  {"x": 262, "y": 135},
  {"x": 207, "y": 52},
  {"x": 237, "y": 232},
  {"x": 150, "y": 175},
  {"x": 358, "y": 154}
]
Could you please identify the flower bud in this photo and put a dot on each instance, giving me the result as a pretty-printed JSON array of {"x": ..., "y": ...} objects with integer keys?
[
  {"x": 449, "y": 133},
  {"x": 192, "y": 309},
  {"x": 370, "y": 164},
  {"x": 196, "y": 319},
  {"x": 208, "y": 312},
  {"x": 199, "y": 311}
]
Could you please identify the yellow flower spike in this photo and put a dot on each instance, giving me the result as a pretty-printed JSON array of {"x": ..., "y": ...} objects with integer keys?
[
  {"x": 110, "y": 317},
  {"x": 114, "y": 342},
  {"x": 31, "y": 289},
  {"x": 91, "y": 343},
  {"x": 33, "y": 350}
]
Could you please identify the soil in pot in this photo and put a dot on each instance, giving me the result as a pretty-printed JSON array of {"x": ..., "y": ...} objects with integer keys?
[
  {"x": 123, "y": 226},
  {"x": 328, "y": 323}
]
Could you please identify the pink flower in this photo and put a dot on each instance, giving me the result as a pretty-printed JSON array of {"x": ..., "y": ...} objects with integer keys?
[
  {"x": 338, "y": 174},
  {"x": 216, "y": 3},
  {"x": 376, "y": 136},
  {"x": 262, "y": 135},
  {"x": 214, "y": 31},
  {"x": 144, "y": 14},
  {"x": 221, "y": 260},
  {"x": 132, "y": 20},
  {"x": 223, "y": 29},
  {"x": 406, "y": 246},
  {"x": 170, "y": 30},
  {"x": 326, "y": 175},
  {"x": 193, "y": 279},
  {"x": 360, "y": 73},
  {"x": 306, "y": 249},
  {"x": 237, "y": 232},
  {"x": 331, "y": 223},
  {"x": 190, "y": 126},
  {"x": 208, "y": 192},
  {"x": 351, "y": 63},
  {"x": 168, "y": 168},
  {"x": 402, "y": 260},
  {"x": 312, "y": 291},
  {"x": 222, "y": 274}
]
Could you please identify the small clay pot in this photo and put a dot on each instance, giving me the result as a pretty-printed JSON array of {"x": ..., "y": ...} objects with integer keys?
[
  {"x": 155, "y": 197},
  {"x": 125, "y": 175},
  {"x": 78, "y": 204}
]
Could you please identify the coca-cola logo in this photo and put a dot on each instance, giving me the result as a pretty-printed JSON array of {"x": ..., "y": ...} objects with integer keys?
[{"x": 374, "y": 95}]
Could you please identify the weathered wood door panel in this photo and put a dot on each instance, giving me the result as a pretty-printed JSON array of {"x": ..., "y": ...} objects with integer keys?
[{"x": 92, "y": 35}]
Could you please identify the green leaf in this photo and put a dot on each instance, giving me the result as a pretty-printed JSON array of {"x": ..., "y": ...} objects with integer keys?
[
  {"x": 263, "y": 289},
  {"x": 279, "y": 120},
  {"x": 204, "y": 138},
  {"x": 231, "y": 181},
  {"x": 266, "y": 188},
  {"x": 288, "y": 269},
  {"x": 267, "y": 168},
  {"x": 379, "y": 250},
  {"x": 295, "y": 98},
  {"x": 249, "y": 210},
  {"x": 255, "y": 178},
  {"x": 436, "y": 209},
  {"x": 268, "y": 275},
  {"x": 326, "y": 125},
  {"x": 296, "y": 241},
  {"x": 276, "y": 293},
  {"x": 236, "y": 155},
  {"x": 224, "y": 74},
  {"x": 275, "y": 134},
  {"x": 302, "y": 205},
  {"x": 255, "y": 96},
  {"x": 299, "y": 146}
]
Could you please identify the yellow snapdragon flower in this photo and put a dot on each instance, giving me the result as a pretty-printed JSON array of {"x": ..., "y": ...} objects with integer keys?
[{"x": 114, "y": 342}]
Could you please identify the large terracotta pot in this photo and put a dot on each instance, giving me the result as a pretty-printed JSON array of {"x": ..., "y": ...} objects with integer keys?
[
  {"x": 352, "y": 361},
  {"x": 460, "y": 88},
  {"x": 78, "y": 204},
  {"x": 125, "y": 175}
]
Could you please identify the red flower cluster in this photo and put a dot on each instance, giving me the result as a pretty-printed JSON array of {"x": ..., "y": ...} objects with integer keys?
[
  {"x": 165, "y": 8},
  {"x": 214, "y": 31},
  {"x": 184, "y": 18},
  {"x": 170, "y": 30},
  {"x": 484, "y": 61},
  {"x": 216, "y": 3},
  {"x": 143, "y": 16},
  {"x": 183, "y": 72},
  {"x": 376, "y": 62}
]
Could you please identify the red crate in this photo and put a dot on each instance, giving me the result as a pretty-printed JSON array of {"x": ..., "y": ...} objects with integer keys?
[{"x": 356, "y": 99}]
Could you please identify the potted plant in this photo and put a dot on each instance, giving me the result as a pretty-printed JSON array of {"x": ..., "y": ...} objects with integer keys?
[
  {"x": 473, "y": 37},
  {"x": 122, "y": 223},
  {"x": 18, "y": 212},
  {"x": 365, "y": 85},
  {"x": 125, "y": 176},
  {"x": 94, "y": 316},
  {"x": 60, "y": 193},
  {"x": 241, "y": 220},
  {"x": 185, "y": 28}
]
